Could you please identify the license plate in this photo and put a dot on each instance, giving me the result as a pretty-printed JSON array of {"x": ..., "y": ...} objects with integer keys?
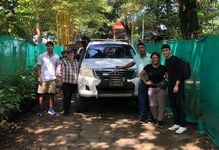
[{"x": 116, "y": 83}]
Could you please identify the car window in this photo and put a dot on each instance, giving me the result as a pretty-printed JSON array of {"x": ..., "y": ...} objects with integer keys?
[{"x": 110, "y": 51}]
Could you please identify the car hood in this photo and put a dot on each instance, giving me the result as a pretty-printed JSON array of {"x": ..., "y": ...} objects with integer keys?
[{"x": 99, "y": 63}]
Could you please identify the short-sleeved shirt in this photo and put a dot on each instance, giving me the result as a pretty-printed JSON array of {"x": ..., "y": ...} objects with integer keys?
[
  {"x": 69, "y": 71},
  {"x": 155, "y": 74},
  {"x": 48, "y": 66},
  {"x": 142, "y": 62}
]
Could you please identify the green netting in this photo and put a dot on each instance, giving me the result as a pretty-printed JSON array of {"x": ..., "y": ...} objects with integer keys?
[
  {"x": 32, "y": 52},
  {"x": 16, "y": 54},
  {"x": 209, "y": 85},
  {"x": 202, "y": 95},
  {"x": 12, "y": 55}
]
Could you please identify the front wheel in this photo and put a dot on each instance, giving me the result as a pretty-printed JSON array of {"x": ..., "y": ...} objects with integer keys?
[{"x": 80, "y": 104}]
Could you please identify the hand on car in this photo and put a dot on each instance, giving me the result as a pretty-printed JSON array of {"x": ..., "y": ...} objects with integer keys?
[{"x": 118, "y": 67}]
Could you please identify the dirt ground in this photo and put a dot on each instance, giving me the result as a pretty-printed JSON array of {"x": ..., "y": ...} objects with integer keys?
[{"x": 109, "y": 124}]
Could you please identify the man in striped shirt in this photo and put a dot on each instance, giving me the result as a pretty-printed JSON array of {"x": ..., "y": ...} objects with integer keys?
[{"x": 69, "y": 75}]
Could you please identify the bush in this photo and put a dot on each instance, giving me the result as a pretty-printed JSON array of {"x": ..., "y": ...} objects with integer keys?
[
  {"x": 16, "y": 90},
  {"x": 9, "y": 100}
]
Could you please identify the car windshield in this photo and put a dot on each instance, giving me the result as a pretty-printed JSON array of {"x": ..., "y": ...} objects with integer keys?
[{"x": 110, "y": 51}]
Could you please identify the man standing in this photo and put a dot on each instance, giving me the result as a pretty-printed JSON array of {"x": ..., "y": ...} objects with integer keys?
[
  {"x": 175, "y": 89},
  {"x": 141, "y": 60},
  {"x": 69, "y": 75},
  {"x": 46, "y": 71}
]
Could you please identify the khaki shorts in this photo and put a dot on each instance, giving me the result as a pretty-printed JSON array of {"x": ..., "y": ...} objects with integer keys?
[
  {"x": 47, "y": 87},
  {"x": 58, "y": 81}
]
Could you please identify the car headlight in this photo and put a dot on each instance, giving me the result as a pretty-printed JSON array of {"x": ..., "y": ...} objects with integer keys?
[{"x": 86, "y": 72}]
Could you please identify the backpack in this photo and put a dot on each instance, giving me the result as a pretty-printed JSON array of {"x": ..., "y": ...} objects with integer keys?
[{"x": 186, "y": 69}]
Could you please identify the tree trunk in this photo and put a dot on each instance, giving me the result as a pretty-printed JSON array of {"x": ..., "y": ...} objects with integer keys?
[
  {"x": 38, "y": 34},
  {"x": 188, "y": 18}
]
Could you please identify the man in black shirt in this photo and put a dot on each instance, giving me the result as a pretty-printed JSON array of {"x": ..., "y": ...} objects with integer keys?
[{"x": 175, "y": 89}]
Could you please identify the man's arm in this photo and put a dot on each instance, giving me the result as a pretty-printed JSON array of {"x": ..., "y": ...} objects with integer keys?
[
  {"x": 179, "y": 75},
  {"x": 142, "y": 76},
  {"x": 39, "y": 74},
  {"x": 132, "y": 63}
]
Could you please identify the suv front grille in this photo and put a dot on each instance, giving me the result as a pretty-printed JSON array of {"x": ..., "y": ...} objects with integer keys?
[{"x": 104, "y": 74}]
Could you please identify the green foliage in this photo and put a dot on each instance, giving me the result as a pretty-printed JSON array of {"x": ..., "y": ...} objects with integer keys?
[
  {"x": 156, "y": 12},
  {"x": 12, "y": 23},
  {"x": 15, "y": 89},
  {"x": 95, "y": 18},
  {"x": 208, "y": 14},
  {"x": 10, "y": 100},
  {"x": 26, "y": 83}
]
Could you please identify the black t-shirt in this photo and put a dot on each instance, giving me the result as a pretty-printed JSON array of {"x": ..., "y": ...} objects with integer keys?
[
  {"x": 174, "y": 70},
  {"x": 155, "y": 74}
]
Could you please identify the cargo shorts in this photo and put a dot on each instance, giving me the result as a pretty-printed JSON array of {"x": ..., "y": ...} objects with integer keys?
[{"x": 47, "y": 87}]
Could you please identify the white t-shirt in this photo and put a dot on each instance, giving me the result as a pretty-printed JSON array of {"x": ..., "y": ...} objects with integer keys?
[
  {"x": 142, "y": 62},
  {"x": 48, "y": 66}
]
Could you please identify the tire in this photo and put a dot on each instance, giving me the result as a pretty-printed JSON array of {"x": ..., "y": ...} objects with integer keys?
[{"x": 80, "y": 104}]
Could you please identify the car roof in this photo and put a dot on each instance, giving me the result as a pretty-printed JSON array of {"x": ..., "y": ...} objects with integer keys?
[{"x": 106, "y": 41}]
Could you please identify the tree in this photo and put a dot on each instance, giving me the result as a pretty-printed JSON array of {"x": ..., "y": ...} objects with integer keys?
[
  {"x": 188, "y": 18},
  {"x": 183, "y": 18},
  {"x": 10, "y": 24},
  {"x": 208, "y": 12}
]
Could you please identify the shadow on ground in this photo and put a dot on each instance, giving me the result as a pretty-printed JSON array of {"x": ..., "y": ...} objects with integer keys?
[{"x": 107, "y": 125}]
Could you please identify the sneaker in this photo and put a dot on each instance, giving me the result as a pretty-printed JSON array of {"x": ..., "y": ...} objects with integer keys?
[
  {"x": 181, "y": 130},
  {"x": 159, "y": 124},
  {"x": 174, "y": 127},
  {"x": 40, "y": 112},
  {"x": 51, "y": 111}
]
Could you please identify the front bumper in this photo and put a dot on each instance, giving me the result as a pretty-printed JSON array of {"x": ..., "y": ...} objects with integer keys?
[{"x": 94, "y": 87}]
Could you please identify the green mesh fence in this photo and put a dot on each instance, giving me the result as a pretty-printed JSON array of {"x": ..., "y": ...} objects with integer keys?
[
  {"x": 209, "y": 85},
  {"x": 16, "y": 54},
  {"x": 202, "y": 90},
  {"x": 32, "y": 53},
  {"x": 12, "y": 55}
]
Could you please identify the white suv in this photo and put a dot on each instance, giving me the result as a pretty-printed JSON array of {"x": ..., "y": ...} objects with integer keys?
[{"x": 99, "y": 76}]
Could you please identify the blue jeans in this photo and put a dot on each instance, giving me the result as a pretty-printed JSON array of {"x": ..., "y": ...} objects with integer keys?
[{"x": 143, "y": 101}]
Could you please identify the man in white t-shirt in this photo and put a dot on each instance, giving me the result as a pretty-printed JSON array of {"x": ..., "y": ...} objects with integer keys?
[
  {"x": 46, "y": 71},
  {"x": 141, "y": 60}
]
